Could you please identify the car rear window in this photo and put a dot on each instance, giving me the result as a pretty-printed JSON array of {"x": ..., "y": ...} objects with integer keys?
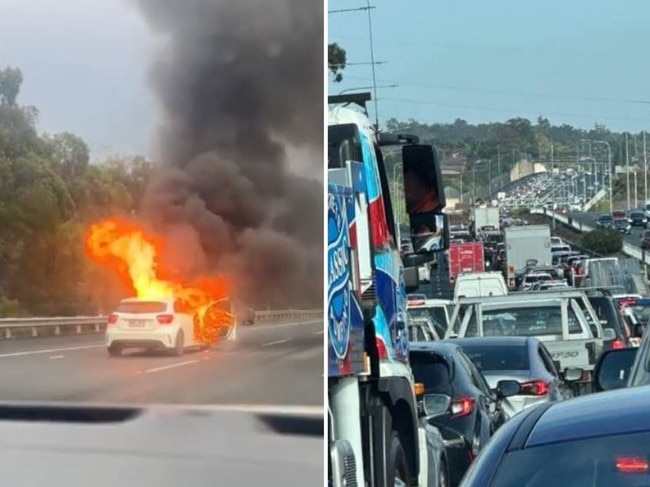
[
  {"x": 142, "y": 307},
  {"x": 622, "y": 460},
  {"x": 498, "y": 357},
  {"x": 524, "y": 321},
  {"x": 432, "y": 371}
]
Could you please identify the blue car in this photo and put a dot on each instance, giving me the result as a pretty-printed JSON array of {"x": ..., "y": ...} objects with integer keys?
[{"x": 600, "y": 440}]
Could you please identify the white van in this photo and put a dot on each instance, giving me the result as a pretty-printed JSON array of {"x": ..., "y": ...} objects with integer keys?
[{"x": 482, "y": 284}]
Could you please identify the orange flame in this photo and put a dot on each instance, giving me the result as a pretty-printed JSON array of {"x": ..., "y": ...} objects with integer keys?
[{"x": 126, "y": 248}]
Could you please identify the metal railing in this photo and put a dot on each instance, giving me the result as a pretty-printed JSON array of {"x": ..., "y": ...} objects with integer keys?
[{"x": 66, "y": 325}]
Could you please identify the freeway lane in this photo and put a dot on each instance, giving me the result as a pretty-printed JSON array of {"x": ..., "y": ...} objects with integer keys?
[
  {"x": 590, "y": 219},
  {"x": 272, "y": 364}
]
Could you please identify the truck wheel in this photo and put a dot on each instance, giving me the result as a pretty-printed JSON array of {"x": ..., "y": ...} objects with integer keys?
[{"x": 398, "y": 469}]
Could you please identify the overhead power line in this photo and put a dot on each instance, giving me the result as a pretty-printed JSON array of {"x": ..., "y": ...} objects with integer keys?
[{"x": 512, "y": 93}]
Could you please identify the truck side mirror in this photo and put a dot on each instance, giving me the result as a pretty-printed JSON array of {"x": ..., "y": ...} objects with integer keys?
[{"x": 425, "y": 199}]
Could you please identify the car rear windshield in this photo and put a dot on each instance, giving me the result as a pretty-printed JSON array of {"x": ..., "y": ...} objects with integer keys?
[
  {"x": 619, "y": 214},
  {"x": 142, "y": 307},
  {"x": 432, "y": 371},
  {"x": 622, "y": 460},
  {"x": 499, "y": 357},
  {"x": 434, "y": 314},
  {"x": 524, "y": 321}
]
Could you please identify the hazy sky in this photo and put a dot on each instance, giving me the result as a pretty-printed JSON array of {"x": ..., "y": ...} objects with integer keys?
[
  {"x": 573, "y": 61},
  {"x": 85, "y": 64}
]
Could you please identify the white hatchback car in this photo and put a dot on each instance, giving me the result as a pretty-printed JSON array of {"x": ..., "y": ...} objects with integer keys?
[{"x": 157, "y": 324}]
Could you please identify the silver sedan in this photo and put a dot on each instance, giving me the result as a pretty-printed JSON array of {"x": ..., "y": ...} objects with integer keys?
[{"x": 526, "y": 360}]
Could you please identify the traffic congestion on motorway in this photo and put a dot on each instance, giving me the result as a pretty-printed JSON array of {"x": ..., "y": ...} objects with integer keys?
[{"x": 502, "y": 323}]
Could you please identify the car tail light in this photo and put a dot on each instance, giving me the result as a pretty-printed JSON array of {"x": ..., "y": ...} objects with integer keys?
[
  {"x": 632, "y": 465},
  {"x": 165, "y": 319},
  {"x": 382, "y": 351},
  {"x": 618, "y": 344},
  {"x": 112, "y": 319},
  {"x": 535, "y": 388},
  {"x": 462, "y": 406}
]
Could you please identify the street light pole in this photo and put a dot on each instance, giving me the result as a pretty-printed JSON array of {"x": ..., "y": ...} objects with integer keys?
[{"x": 609, "y": 170}]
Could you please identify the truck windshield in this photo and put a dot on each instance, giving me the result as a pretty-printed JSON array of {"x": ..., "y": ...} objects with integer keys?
[
  {"x": 343, "y": 144},
  {"x": 528, "y": 321}
]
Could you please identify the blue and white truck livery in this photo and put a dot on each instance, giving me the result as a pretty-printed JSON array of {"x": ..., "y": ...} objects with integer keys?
[{"x": 372, "y": 410}]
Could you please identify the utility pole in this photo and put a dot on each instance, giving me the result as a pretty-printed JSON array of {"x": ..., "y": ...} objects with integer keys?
[
  {"x": 627, "y": 171},
  {"x": 553, "y": 185},
  {"x": 645, "y": 170}
]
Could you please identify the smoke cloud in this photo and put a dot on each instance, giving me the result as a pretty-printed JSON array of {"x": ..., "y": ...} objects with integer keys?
[{"x": 240, "y": 83}]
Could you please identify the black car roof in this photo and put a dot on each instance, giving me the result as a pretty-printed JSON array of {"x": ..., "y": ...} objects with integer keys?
[{"x": 623, "y": 411}]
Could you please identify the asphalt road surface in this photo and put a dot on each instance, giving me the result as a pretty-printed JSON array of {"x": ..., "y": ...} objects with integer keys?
[
  {"x": 272, "y": 364},
  {"x": 633, "y": 238}
]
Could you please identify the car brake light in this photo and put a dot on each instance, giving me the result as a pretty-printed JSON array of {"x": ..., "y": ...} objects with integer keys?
[
  {"x": 462, "y": 406},
  {"x": 416, "y": 303},
  {"x": 112, "y": 319},
  {"x": 382, "y": 351},
  {"x": 165, "y": 319},
  {"x": 631, "y": 465},
  {"x": 618, "y": 344},
  {"x": 535, "y": 388}
]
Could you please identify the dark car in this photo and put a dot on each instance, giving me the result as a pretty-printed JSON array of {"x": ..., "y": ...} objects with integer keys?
[
  {"x": 616, "y": 330},
  {"x": 605, "y": 221},
  {"x": 524, "y": 359},
  {"x": 638, "y": 219},
  {"x": 599, "y": 440},
  {"x": 469, "y": 411}
]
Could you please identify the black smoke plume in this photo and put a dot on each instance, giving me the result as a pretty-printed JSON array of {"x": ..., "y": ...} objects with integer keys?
[{"x": 240, "y": 82}]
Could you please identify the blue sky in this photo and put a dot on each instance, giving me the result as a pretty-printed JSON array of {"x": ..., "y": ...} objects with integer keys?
[{"x": 574, "y": 61}]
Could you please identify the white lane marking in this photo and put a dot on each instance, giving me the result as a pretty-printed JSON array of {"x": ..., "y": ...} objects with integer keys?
[
  {"x": 277, "y": 342},
  {"x": 54, "y": 357},
  {"x": 319, "y": 332},
  {"x": 172, "y": 366},
  {"x": 51, "y": 350}
]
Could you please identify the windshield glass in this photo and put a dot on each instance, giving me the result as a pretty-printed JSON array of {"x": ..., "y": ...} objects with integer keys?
[
  {"x": 533, "y": 320},
  {"x": 498, "y": 357},
  {"x": 596, "y": 462},
  {"x": 435, "y": 315},
  {"x": 141, "y": 307}
]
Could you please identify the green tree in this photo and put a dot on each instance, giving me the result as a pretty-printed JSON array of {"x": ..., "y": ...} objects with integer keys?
[
  {"x": 603, "y": 241},
  {"x": 336, "y": 61}
]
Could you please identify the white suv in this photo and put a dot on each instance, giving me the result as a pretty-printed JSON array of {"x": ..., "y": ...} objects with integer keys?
[{"x": 165, "y": 324}]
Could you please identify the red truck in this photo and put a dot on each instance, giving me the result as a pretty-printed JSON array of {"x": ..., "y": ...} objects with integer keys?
[{"x": 465, "y": 257}]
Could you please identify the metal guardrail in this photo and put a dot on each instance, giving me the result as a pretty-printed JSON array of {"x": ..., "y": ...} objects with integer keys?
[{"x": 66, "y": 325}]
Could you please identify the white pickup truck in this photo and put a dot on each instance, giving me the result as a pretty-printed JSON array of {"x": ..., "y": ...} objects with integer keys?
[{"x": 563, "y": 319}]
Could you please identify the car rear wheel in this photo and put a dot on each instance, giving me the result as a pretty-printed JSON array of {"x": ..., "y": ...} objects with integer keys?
[
  {"x": 114, "y": 351},
  {"x": 179, "y": 345}
]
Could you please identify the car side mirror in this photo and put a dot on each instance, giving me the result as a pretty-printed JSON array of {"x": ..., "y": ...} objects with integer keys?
[
  {"x": 572, "y": 374},
  {"x": 401, "y": 325},
  {"x": 434, "y": 405},
  {"x": 425, "y": 198},
  {"x": 613, "y": 369},
  {"x": 507, "y": 388}
]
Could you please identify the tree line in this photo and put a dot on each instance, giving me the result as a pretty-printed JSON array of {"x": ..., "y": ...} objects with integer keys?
[{"x": 49, "y": 193}]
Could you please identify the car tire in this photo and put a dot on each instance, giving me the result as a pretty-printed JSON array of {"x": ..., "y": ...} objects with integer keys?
[
  {"x": 443, "y": 474},
  {"x": 398, "y": 469},
  {"x": 114, "y": 351},
  {"x": 179, "y": 344}
]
